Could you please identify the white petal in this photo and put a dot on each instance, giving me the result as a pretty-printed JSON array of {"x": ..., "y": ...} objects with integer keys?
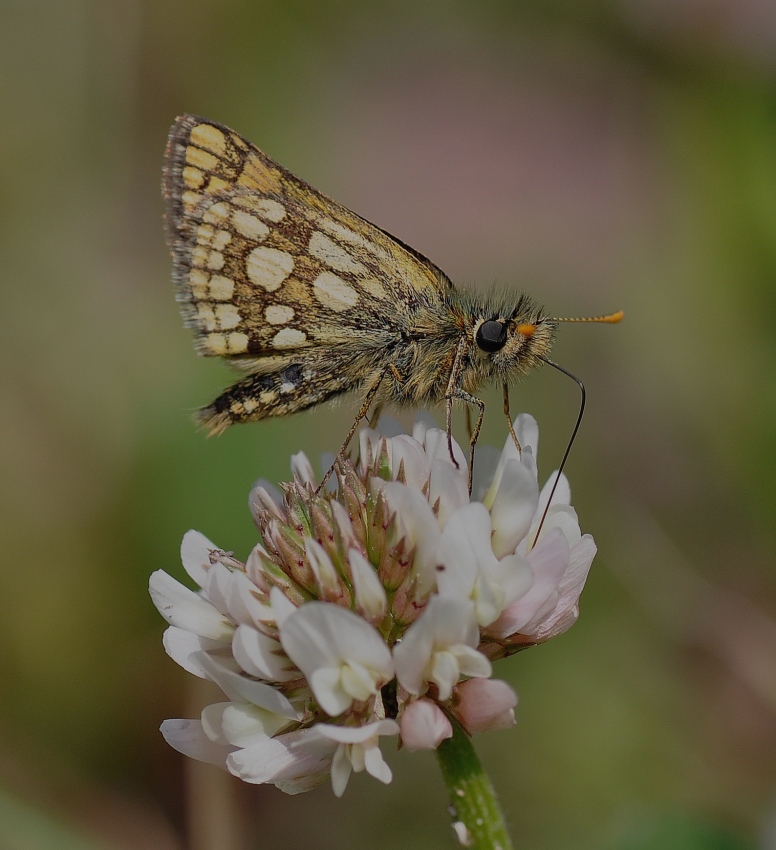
[
  {"x": 513, "y": 508},
  {"x": 282, "y": 606},
  {"x": 472, "y": 662},
  {"x": 322, "y": 639},
  {"x": 424, "y": 726},
  {"x": 447, "y": 488},
  {"x": 549, "y": 560},
  {"x": 341, "y": 769},
  {"x": 326, "y": 576},
  {"x": 182, "y": 647},
  {"x": 244, "y": 725},
  {"x": 262, "y": 656},
  {"x": 444, "y": 623},
  {"x": 302, "y": 469},
  {"x": 444, "y": 673},
  {"x": 419, "y": 526},
  {"x": 242, "y": 600},
  {"x": 370, "y": 595},
  {"x": 375, "y": 764},
  {"x": 562, "y": 494},
  {"x": 464, "y": 550},
  {"x": 267, "y": 497},
  {"x": 403, "y": 450},
  {"x": 241, "y": 689},
  {"x": 437, "y": 449},
  {"x": 187, "y": 610},
  {"x": 278, "y": 759},
  {"x": 351, "y": 734},
  {"x": 188, "y": 737},
  {"x": 486, "y": 460},
  {"x": 195, "y": 555}
]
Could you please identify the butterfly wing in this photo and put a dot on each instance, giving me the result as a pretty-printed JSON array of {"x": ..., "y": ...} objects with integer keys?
[{"x": 265, "y": 264}]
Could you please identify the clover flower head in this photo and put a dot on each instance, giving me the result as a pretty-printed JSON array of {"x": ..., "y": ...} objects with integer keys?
[{"x": 373, "y": 609}]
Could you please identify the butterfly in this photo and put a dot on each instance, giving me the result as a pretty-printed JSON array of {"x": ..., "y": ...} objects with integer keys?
[{"x": 310, "y": 301}]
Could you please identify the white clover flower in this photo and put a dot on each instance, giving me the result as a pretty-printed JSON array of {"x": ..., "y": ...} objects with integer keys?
[{"x": 372, "y": 610}]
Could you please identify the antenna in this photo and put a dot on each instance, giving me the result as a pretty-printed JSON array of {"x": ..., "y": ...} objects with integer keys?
[
  {"x": 578, "y": 423},
  {"x": 610, "y": 319}
]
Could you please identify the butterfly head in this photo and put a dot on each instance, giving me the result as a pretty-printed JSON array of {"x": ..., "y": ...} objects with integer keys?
[{"x": 511, "y": 345}]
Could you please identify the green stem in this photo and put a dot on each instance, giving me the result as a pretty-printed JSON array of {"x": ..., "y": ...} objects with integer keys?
[{"x": 477, "y": 817}]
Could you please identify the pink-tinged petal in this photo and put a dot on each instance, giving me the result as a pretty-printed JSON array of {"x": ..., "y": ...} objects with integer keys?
[
  {"x": 262, "y": 656},
  {"x": 183, "y": 646},
  {"x": 424, "y": 726},
  {"x": 549, "y": 560},
  {"x": 188, "y": 737},
  {"x": 448, "y": 489},
  {"x": 187, "y": 610},
  {"x": 566, "y": 611},
  {"x": 279, "y": 760},
  {"x": 513, "y": 507},
  {"x": 241, "y": 689},
  {"x": 485, "y": 705},
  {"x": 302, "y": 470},
  {"x": 195, "y": 556}
]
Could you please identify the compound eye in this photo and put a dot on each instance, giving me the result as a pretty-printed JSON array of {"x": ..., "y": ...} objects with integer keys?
[{"x": 491, "y": 335}]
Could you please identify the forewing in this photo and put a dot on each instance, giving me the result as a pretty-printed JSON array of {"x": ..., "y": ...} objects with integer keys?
[{"x": 266, "y": 266}]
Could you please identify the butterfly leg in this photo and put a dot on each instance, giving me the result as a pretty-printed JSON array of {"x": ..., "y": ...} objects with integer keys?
[
  {"x": 509, "y": 420},
  {"x": 362, "y": 412},
  {"x": 472, "y": 399}
]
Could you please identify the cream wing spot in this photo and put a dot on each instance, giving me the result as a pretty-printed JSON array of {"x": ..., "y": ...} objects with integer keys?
[
  {"x": 217, "y": 213},
  {"x": 215, "y": 261},
  {"x": 249, "y": 225},
  {"x": 221, "y": 239},
  {"x": 237, "y": 343},
  {"x": 227, "y": 316},
  {"x": 279, "y": 314},
  {"x": 207, "y": 136},
  {"x": 268, "y": 267},
  {"x": 269, "y": 209},
  {"x": 288, "y": 338},
  {"x": 201, "y": 159},
  {"x": 198, "y": 281},
  {"x": 373, "y": 286},
  {"x": 333, "y": 255},
  {"x": 206, "y": 317},
  {"x": 216, "y": 344},
  {"x": 353, "y": 238},
  {"x": 220, "y": 288},
  {"x": 332, "y": 292},
  {"x": 193, "y": 177}
]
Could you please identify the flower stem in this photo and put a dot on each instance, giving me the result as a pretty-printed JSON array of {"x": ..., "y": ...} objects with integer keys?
[{"x": 477, "y": 817}]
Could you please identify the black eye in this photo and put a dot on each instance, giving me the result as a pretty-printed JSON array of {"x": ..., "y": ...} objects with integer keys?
[{"x": 491, "y": 335}]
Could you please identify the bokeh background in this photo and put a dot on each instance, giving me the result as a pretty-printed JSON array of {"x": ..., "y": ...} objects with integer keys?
[{"x": 601, "y": 154}]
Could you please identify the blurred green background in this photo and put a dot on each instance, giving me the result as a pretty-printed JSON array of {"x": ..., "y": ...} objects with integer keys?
[{"x": 601, "y": 154}]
